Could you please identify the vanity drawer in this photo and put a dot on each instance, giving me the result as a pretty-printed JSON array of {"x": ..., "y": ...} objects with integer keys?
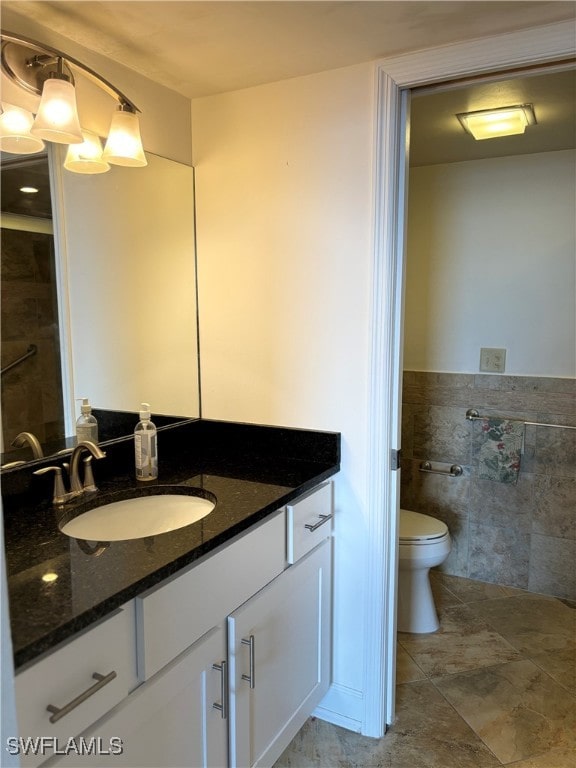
[
  {"x": 59, "y": 681},
  {"x": 309, "y": 521},
  {"x": 172, "y": 616}
]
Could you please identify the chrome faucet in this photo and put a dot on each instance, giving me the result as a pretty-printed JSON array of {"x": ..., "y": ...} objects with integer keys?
[
  {"x": 77, "y": 488},
  {"x": 27, "y": 437}
]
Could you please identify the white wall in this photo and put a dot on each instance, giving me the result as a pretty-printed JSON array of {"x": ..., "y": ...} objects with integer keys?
[
  {"x": 283, "y": 178},
  {"x": 491, "y": 263}
]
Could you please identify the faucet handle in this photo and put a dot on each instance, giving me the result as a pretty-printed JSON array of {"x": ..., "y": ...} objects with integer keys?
[
  {"x": 60, "y": 495},
  {"x": 89, "y": 484}
]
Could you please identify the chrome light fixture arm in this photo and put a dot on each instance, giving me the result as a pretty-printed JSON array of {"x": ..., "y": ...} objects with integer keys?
[{"x": 24, "y": 69}]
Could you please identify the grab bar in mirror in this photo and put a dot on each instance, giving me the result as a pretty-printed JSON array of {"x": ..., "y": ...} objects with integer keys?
[
  {"x": 32, "y": 349},
  {"x": 473, "y": 415}
]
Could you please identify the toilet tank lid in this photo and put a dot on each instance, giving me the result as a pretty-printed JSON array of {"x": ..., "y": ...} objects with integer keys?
[{"x": 415, "y": 525}]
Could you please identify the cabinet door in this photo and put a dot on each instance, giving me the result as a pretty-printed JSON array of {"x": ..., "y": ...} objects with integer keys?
[
  {"x": 169, "y": 721},
  {"x": 279, "y": 651}
]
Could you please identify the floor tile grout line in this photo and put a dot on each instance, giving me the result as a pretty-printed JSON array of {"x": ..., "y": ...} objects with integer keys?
[
  {"x": 461, "y": 717},
  {"x": 553, "y": 679}
]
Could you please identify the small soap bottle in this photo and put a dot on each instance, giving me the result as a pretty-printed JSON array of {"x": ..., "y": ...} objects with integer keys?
[
  {"x": 86, "y": 426},
  {"x": 145, "y": 446}
]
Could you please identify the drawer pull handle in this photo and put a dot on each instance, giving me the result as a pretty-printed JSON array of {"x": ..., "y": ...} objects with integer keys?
[
  {"x": 323, "y": 519},
  {"x": 223, "y": 707},
  {"x": 250, "y": 677},
  {"x": 58, "y": 712}
]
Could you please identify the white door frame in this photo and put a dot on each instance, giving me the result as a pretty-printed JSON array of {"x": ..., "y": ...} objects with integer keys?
[{"x": 525, "y": 48}]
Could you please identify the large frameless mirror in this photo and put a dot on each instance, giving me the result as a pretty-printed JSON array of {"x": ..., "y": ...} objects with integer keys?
[{"x": 98, "y": 298}]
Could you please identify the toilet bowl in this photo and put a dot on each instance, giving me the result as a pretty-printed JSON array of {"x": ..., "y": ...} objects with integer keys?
[{"x": 424, "y": 543}]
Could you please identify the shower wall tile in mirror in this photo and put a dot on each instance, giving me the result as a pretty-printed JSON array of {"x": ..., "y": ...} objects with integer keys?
[
  {"x": 31, "y": 390},
  {"x": 518, "y": 534}
]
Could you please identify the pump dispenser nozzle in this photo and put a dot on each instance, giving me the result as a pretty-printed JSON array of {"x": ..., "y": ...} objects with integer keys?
[{"x": 85, "y": 407}]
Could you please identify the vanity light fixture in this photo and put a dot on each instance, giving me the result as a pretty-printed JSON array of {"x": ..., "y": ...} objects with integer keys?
[
  {"x": 503, "y": 121},
  {"x": 124, "y": 146},
  {"x": 86, "y": 157},
  {"x": 38, "y": 70},
  {"x": 15, "y": 136},
  {"x": 29, "y": 190},
  {"x": 57, "y": 118}
]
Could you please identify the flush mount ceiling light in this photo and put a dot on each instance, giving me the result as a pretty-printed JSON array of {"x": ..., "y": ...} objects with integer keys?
[
  {"x": 38, "y": 70},
  {"x": 503, "y": 121}
]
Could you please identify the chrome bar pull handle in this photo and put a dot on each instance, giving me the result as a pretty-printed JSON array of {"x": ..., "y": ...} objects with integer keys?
[
  {"x": 223, "y": 706},
  {"x": 250, "y": 677},
  {"x": 323, "y": 519},
  {"x": 60, "y": 712}
]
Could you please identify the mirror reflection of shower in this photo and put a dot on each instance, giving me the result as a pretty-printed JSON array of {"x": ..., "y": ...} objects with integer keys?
[{"x": 30, "y": 336}]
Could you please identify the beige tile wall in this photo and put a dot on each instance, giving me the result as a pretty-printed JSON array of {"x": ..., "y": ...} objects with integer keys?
[{"x": 521, "y": 535}]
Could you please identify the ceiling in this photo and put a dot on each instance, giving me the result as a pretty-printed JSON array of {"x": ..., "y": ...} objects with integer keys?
[{"x": 202, "y": 48}]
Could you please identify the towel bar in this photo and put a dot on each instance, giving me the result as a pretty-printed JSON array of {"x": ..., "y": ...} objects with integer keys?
[
  {"x": 473, "y": 415},
  {"x": 32, "y": 349},
  {"x": 454, "y": 471}
]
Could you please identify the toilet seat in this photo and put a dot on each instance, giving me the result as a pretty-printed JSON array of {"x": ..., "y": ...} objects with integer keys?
[{"x": 416, "y": 527}]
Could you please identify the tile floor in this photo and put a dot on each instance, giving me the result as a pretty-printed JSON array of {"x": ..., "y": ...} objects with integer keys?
[{"x": 496, "y": 685}]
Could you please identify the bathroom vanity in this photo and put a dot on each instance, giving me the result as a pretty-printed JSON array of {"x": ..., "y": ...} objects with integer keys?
[{"x": 206, "y": 646}]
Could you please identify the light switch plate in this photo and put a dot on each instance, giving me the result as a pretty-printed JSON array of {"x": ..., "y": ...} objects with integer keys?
[{"x": 492, "y": 360}]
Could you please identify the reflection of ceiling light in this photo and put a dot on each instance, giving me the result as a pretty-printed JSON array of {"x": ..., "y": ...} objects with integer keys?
[
  {"x": 35, "y": 68},
  {"x": 49, "y": 578},
  {"x": 504, "y": 121},
  {"x": 28, "y": 190}
]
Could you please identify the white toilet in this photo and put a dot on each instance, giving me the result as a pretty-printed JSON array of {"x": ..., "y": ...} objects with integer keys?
[{"x": 424, "y": 543}]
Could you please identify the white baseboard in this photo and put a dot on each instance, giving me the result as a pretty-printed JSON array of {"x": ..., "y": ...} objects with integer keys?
[{"x": 342, "y": 706}]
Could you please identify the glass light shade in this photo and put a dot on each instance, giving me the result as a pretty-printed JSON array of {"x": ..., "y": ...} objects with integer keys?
[
  {"x": 124, "y": 145},
  {"x": 15, "y": 136},
  {"x": 505, "y": 121},
  {"x": 86, "y": 157},
  {"x": 57, "y": 118}
]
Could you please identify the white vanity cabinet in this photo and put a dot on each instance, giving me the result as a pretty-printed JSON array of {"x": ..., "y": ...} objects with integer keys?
[
  {"x": 279, "y": 652},
  {"x": 225, "y": 660},
  {"x": 64, "y": 693},
  {"x": 176, "y": 719}
]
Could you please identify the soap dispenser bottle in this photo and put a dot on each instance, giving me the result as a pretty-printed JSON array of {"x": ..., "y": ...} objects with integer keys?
[
  {"x": 145, "y": 446},
  {"x": 86, "y": 426}
]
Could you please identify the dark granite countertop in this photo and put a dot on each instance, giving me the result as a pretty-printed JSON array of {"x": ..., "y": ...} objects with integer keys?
[{"x": 251, "y": 470}]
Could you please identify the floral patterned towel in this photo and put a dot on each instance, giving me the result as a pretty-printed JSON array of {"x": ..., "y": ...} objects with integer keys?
[{"x": 501, "y": 445}]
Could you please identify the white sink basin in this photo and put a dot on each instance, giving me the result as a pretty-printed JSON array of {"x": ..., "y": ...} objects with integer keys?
[{"x": 138, "y": 517}]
